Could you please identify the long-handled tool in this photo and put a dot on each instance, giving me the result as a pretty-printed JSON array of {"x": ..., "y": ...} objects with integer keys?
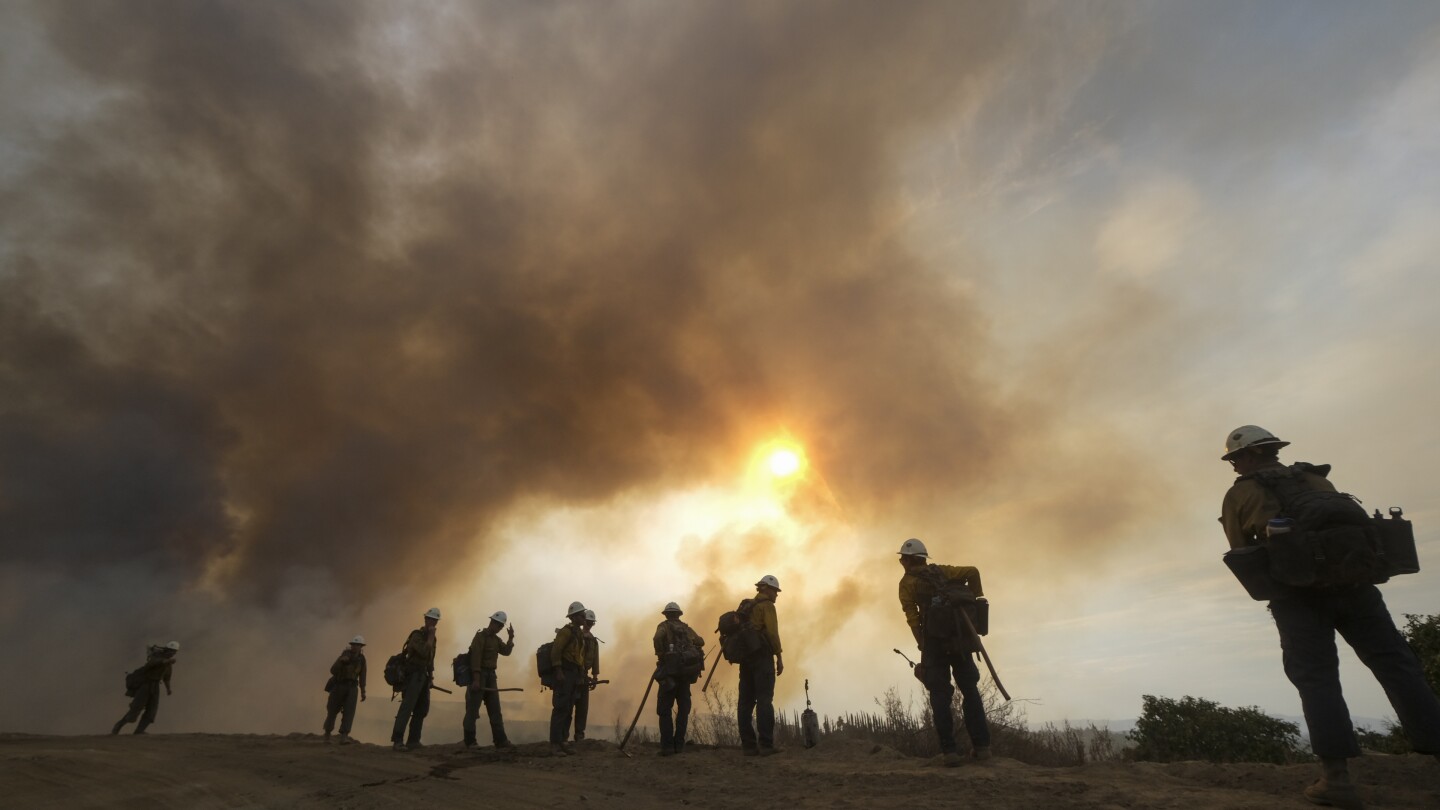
[
  {"x": 981, "y": 645},
  {"x": 506, "y": 689},
  {"x": 712, "y": 671},
  {"x": 649, "y": 682},
  {"x": 809, "y": 723}
]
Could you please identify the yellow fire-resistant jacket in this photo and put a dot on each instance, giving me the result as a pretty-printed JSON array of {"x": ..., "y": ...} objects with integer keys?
[
  {"x": 1249, "y": 505},
  {"x": 592, "y": 654},
  {"x": 915, "y": 590},
  {"x": 762, "y": 616},
  {"x": 419, "y": 651},
  {"x": 486, "y": 649},
  {"x": 349, "y": 668},
  {"x": 569, "y": 646},
  {"x": 158, "y": 667}
]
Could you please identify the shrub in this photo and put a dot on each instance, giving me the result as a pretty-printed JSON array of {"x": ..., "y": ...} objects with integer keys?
[
  {"x": 1423, "y": 633},
  {"x": 1193, "y": 728}
]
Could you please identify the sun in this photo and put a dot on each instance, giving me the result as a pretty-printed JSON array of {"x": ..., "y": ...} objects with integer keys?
[{"x": 783, "y": 462}]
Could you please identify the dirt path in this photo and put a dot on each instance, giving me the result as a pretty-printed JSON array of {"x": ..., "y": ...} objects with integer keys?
[{"x": 212, "y": 771}]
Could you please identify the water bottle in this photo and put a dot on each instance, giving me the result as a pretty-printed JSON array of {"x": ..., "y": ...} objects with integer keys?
[{"x": 1279, "y": 525}]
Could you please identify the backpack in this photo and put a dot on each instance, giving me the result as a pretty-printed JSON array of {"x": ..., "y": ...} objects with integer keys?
[
  {"x": 133, "y": 681},
  {"x": 395, "y": 670},
  {"x": 739, "y": 639},
  {"x": 1334, "y": 542},
  {"x": 683, "y": 661},
  {"x": 951, "y": 603},
  {"x": 543, "y": 667},
  {"x": 461, "y": 666}
]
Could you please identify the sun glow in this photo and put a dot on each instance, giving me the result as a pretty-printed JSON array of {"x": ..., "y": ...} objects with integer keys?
[{"x": 784, "y": 462}]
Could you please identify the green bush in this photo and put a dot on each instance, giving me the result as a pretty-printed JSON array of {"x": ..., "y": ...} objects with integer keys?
[
  {"x": 1392, "y": 741},
  {"x": 1192, "y": 728},
  {"x": 1423, "y": 633}
]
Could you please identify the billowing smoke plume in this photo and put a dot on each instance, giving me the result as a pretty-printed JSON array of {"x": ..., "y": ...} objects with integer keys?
[{"x": 299, "y": 300}]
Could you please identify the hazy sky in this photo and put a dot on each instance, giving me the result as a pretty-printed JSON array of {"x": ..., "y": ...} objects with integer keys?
[{"x": 316, "y": 314}]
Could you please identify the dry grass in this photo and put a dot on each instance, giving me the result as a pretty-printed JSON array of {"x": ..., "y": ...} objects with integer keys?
[{"x": 904, "y": 724}]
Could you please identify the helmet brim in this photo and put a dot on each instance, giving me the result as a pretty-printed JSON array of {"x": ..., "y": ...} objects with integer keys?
[{"x": 1275, "y": 443}]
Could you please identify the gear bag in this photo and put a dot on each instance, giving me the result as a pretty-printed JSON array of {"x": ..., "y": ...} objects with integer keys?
[
  {"x": 941, "y": 616},
  {"x": 1334, "y": 541},
  {"x": 134, "y": 679},
  {"x": 1251, "y": 564},
  {"x": 739, "y": 639},
  {"x": 543, "y": 667},
  {"x": 683, "y": 661},
  {"x": 460, "y": 665},
  {"x": 395, "y": 670}
]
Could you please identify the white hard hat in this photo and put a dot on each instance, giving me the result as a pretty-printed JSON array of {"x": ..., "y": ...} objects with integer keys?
[
  {"x": 914, "y": 548},
  {"x": 358, "y": 640},
  {"x": 590, "y": 616},
  {"x": 671, "y": 607},
  {"x": 433, "y": 613},
  {"x": 575, "y": 607},
  {"x": 174, "y": 645},
  {"x": 1247, "y": 436},
  {"x": 769, "y": 579},
  {"x": 499, "y": 616}
]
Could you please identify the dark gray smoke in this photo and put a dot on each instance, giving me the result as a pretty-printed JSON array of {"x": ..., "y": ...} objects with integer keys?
[{"x": 306, "y": 295}]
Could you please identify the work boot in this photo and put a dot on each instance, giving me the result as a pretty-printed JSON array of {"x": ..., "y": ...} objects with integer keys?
[
  {"x": 327, "y": 738},
  {"x": 579, "y": 735},
  {"x": 568, "y": 748},
  {"x": 952, "y": 759},
  {"x": 667, "y": 752},
  {"x": 346, "y": 739},
  {"x": 140, "y": 729},
  {"x": 1334, "y": 788},
  {"x": 414, "y": 745},
  {"x": 504, "y": 745},
  {"x": 769, "y": 750},
  {"x": 750, "y": 751},
  {"x": 558, "y": 750},
  {"x": 981, "y": 753},
  {"x": 118, "y": 725},
  {"x": 1334, "y": 794},
  {"x": 470, "y": 744},
  {"x": 399, "y": 747}
]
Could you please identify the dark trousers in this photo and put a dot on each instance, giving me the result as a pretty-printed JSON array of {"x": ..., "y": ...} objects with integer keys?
[
  {"x": 343, "y": 697},
  {"x": 414, "y": 705},
  {"x": 562, "y": 700},
  {"x": 674, "y": 695},
  {"x": 491, "y": 699},
  {"x": 757, "y": 696},
  {"x": 939, "y": 668},
  {"x": 146, "y": 700},
  {"x": 582, "y": 708},
  {"x": 1308, "y": 623}
]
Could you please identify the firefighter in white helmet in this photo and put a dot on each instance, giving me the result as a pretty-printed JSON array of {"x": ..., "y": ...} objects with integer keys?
[
  {"x": 418, "y": 655},
  {"x": 347, "y": 682},
  {"x": 1307, "y": 618},
  {"x": 567, "y": 662},
  {"x": 592, "y": 674},
  {"x": 142, "y": 686},
  {"x": 945, "y": 647},
  {"x": 680, "y": 658},
  {"x": 757, "y": 674},
  {"x": 485, "y": 651}
]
